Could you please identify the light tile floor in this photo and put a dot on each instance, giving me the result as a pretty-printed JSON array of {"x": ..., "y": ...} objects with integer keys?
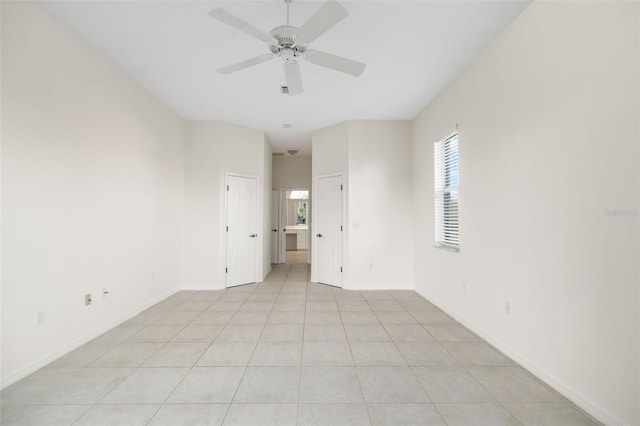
[
  {"x": 296, "y": 257},
  {"x": 287, "y": 352}
]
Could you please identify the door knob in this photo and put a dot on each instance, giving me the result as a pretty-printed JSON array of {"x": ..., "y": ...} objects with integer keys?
[
  {"x": 274, "y": 230},
  {"x": 319, "y": 235},
  {"x": 253, "y": 235}
]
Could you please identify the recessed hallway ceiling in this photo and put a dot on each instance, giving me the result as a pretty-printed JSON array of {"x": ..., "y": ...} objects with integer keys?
[{"x": 412, "y": 49}]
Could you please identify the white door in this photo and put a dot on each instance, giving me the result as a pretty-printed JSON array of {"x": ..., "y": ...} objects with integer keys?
[
  {"x": 327, "y": 230},
  {"x": 275, "y": 224},
  {"x": 241, "y": 229}
]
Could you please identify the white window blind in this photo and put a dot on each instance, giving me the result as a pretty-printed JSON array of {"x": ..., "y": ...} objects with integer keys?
[{"x": 446, "y": 192}]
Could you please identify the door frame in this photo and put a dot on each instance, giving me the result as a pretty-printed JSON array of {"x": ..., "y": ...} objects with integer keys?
[
  {"x": 259, "y": 222},
  {"x": 345, "y": 228},
  {"x": 282, "y": 194},
  {"x": 274, "y": 257}
]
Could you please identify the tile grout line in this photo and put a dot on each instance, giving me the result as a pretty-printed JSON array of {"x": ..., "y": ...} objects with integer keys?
[
  {"x": 355, "y": 367},
  {"x": 190, "y": 368},
  {"x": 435, "y": 406},
  {"x": 264, "y": 292},
  {"x": 246, "y": 367},
  {"x": 252, "y": 354},
  {"x": 304, "y": 326},
  {"x": 513, "y": 365},
  {"x": 410, "y": 366},
  {"x": 460, "y": 364},
  {"x": 201, "y": 355},
  {"x": 466, "y": 368},
  {"x": 97, "y": 403}
]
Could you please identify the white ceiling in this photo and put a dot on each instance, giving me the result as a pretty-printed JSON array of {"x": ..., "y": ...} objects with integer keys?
[{"x": 412, "y": 49}]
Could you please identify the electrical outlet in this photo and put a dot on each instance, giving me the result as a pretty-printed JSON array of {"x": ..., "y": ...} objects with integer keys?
[
  {"x": 507, "y": 308},
  {"x": 40, "y": 318},
  {"x": 87, "y": 299}
]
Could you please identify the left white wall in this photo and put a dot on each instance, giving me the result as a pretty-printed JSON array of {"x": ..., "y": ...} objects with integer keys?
[{"x": 92, "y": 181}]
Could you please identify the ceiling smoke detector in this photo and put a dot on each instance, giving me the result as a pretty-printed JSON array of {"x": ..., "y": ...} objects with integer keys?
[{"x": 292, "y": 151}]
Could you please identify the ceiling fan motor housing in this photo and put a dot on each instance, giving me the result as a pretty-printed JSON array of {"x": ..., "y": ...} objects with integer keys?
[{"x": 286, "y": 41}]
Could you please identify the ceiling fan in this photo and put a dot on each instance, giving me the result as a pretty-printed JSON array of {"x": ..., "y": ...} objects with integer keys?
[{"x": 290, "y": 43}]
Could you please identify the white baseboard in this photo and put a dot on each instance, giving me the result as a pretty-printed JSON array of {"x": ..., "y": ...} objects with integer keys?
[
  {"x": 203, "y": 286},
  {"x": 591, "y": 407},
  {"x": 358, "y": 287},
  {"x": 37, "y": 364}
]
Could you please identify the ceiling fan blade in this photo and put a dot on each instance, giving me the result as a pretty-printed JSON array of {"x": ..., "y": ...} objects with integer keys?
[
  {"x": 338, "y": 63},
  {"x": 293, "y": 77},
  {"x": 229, "y": 19},
  {"x": 245, "y": 64},
  {"x": 329, "y": 14}
]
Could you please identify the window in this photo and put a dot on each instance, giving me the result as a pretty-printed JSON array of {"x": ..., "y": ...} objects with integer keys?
[
  {"x": 299, "y": 195},
  {"x": 445, "y": 154}
]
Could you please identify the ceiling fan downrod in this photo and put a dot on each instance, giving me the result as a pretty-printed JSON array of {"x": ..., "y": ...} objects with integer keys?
[{"x": 288, "y": 2}]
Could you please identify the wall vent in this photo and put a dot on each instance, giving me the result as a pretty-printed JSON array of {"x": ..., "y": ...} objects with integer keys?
[{"x": 278, "y": 154}]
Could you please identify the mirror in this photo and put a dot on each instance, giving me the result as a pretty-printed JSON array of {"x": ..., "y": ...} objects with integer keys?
[
  {"x": 297, "y": 208},
  {"x": 301, "y": 213}
]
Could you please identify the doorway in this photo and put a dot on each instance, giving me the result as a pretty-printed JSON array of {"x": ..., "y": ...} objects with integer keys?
[{"x": 290, "y": 235}]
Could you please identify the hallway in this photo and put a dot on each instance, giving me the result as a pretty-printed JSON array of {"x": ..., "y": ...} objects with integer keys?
[
  {"x": 296, "y": 257},
  {"x": 287, "y": 352}
]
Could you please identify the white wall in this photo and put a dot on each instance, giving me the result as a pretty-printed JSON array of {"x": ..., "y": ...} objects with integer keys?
[
  {"x": 548, "y": 142},
  {"x": 329, "y": 155},
  {"x": 375, "y": 157},
  {"x": 211, "y": 149},
  {"x": 330, "y": 150},
  {"x": 381, "y": 218},
  {"x": 91, "y": 192},
  {"x": 292, "y": 206},
  {"x": 292, "y": 172}
]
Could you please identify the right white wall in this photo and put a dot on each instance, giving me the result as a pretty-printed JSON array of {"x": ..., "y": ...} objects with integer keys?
[{"x": 548, "y": 127}]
